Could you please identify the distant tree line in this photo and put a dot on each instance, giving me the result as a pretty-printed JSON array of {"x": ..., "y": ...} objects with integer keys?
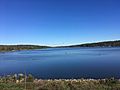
[
  {"x": 20, "y": 47},
  {"x": 99, "y": 44},
  {"x": 28, "y": 47}
]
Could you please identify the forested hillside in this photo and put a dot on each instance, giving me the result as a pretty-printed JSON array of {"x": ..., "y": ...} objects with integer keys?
[
  {"x": 99, "y": 44},
  {"x": 20, "y": 47}
]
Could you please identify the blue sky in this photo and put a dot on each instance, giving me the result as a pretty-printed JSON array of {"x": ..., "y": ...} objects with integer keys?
[{"x": 58, "y": 22}]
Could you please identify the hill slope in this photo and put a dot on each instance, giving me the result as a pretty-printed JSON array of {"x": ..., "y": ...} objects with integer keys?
[
  {"x": 98, "y": 44},
  {"x": 20, "y": 47}
]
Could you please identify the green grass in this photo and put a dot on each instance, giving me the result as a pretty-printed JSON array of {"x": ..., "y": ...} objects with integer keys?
[
  {"x": 60, "y": 85},
  {"x": 14, "y": 82},
  {"x": 10, "y": 86}
]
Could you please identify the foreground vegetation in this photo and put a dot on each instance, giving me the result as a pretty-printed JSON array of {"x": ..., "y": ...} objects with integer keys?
[
  {"x": 20, "y": 47},
  {"x": 21, "y": 82}
]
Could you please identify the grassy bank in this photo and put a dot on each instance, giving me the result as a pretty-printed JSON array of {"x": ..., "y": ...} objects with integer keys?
[{"x": 22, "y": 82}]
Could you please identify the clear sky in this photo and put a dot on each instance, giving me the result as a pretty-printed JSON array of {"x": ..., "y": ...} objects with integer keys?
[{"x": 58, "y": 22}]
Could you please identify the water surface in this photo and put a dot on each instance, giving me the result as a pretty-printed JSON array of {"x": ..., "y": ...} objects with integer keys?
[{"x": 63, "y": 62}]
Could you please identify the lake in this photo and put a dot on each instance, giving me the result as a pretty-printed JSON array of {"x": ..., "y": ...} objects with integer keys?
[{"x": 64, "y": 63}]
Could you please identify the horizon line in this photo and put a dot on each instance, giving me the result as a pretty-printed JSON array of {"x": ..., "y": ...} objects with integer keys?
[{"x": 54, "y": 45}]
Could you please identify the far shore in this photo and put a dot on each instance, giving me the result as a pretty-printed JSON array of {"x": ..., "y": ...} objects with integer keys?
[{"x": 4, "y": 48}]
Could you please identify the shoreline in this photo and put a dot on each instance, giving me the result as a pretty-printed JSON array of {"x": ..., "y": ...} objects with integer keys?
[
  {"x": 115, "y": 43},
  {"x": 50, "y": 79}
]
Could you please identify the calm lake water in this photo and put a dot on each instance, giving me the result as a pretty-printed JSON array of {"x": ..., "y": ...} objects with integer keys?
[{"x": 63, "y": 62}]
